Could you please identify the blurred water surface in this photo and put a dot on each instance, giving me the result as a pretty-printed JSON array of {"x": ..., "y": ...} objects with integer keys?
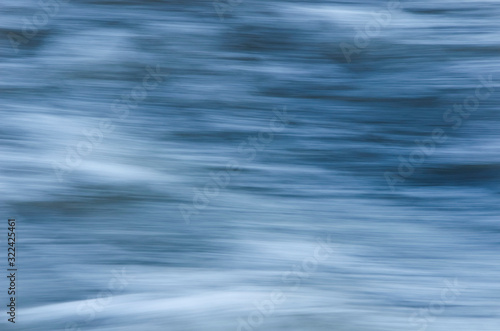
[{"x": 118, "y": 211}]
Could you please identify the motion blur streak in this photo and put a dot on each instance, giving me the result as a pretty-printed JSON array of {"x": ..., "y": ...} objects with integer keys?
[{"x": 352, "y": 122}]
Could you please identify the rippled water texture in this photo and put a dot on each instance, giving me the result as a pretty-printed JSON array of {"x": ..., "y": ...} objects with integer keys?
[{"x": 252, "y": 165}]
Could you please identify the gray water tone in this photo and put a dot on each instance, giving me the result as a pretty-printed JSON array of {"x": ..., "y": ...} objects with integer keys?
[{"x": 251, "y": 165}]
